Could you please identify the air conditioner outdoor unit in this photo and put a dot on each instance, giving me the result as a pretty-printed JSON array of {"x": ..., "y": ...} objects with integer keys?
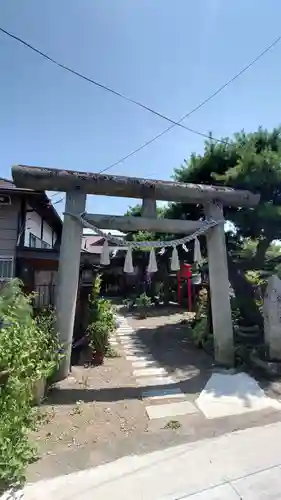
[{"x": 5, "y": 199}]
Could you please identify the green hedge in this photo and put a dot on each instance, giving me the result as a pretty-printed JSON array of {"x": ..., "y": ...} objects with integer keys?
[{"x": 29, "y": 351}]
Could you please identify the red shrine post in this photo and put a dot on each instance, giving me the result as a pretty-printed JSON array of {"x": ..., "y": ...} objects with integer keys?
[{"x": 185, "y": 273}]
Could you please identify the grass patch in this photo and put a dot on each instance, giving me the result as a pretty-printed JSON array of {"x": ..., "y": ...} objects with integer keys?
[{"x": 173, "y": 424}]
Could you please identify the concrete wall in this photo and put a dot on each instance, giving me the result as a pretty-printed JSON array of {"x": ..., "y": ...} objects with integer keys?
[
  {"x": 9, "y": 220},
  {"x": 9, "y": 216}
]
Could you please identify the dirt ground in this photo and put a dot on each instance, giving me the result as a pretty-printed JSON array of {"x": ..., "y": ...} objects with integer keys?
[
  {"x": 93, "y": 405},
  {"x": 100, "y": 404}
]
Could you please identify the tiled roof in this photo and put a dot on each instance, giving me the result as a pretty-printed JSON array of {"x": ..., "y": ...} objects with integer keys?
[
  {"x": 41, "y": 196},
  {"x": 90, "y": 241}
]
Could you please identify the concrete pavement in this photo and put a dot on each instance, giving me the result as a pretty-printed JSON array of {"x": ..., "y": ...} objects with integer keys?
[{"x": 244, "y": 464}]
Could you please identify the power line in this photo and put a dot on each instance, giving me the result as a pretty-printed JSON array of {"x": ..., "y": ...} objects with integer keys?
[
  {"x": 200, "y": 105},
  {"x": 143, "y": 106},
  {"x": 104, "y": 87}
]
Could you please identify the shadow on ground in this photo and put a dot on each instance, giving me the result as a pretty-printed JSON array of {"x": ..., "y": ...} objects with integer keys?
[
  {"x": 69, "y": 396},
  {"x": 154, "y": 311},
  {"x": 171, "y": 347}
]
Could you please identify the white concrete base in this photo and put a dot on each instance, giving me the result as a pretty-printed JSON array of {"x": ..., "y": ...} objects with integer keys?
[
  {"x": 226, "y": 395},
  {"x": 171, "y": 410}
]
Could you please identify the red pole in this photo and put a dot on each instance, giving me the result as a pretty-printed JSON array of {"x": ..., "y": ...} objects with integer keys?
[
  {"x": 179, "y": 289},
  {"x": 189, "y": 294}
]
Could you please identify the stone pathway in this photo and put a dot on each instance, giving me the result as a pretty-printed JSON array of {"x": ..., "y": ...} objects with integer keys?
[
  {"x": 152, "y": 378},
  {"x": 224, "y": 395}
]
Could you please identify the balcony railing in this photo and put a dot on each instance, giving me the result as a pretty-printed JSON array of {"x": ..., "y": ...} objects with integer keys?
[{"x": 35, "y": 242}]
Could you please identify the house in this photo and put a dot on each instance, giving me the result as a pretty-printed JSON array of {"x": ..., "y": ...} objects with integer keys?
[{"x": 30, "y": 235}]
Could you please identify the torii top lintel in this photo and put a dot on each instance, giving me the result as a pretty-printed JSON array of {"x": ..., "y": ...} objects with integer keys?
[{"x": 41, "y": 178}]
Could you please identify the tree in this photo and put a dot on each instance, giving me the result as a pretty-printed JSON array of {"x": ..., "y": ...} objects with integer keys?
[{"x": 248, "y": 161}]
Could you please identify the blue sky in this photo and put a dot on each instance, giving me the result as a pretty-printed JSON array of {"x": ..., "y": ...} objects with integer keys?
[{"x": 169, "y": 55}]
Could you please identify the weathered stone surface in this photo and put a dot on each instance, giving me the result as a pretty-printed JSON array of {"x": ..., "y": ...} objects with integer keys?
[
  {"x": 40, "y": 178},
  {"x": 272, "y": 317}
]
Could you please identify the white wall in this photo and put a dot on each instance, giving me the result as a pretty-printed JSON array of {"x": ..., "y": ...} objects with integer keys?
[
  {"x": 33, "y": 225},
  {"x": 48, "y": 234}
]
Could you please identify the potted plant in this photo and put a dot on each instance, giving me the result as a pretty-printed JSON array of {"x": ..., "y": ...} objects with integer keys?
[
  {"x": 143, "y": 302},
  {"x": 99, "y": 340}
]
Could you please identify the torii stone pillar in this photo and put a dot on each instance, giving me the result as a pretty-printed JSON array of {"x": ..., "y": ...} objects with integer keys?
[
  {"x": 68, "y": 276},
  {"x": 219, "y": 287}
]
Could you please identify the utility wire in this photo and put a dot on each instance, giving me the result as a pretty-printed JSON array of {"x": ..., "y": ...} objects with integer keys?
[
  {"x": 200, "y": 105},
  {"x": 143, "y": 106},
  {"x": 104, "y": 87}
]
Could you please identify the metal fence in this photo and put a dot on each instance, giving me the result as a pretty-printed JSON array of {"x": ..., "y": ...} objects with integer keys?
[{"x": 45, "y": 296}]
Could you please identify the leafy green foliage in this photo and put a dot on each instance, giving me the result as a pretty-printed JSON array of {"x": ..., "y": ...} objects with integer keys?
[
  {"x": 247, "y": 161},
  {"x": 101, "y": 319},
  {"x": 200, "y": 326},
  {"x": 143, "y": 235},
  {"x": 50, "y": 351},
  {"x": 28, "y": 353},
  {"x": 143, "y": 302}
]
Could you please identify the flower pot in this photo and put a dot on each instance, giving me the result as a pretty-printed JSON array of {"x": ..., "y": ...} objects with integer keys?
[
  {"x": 142, "y": 313},
  {"x": 98, "y": 358},
  {"x": 250, "y": 329},
  {"x": 249, "y": 334},
  {"x": 259, "y": 359},
  {"x": 39, "y": 390}
]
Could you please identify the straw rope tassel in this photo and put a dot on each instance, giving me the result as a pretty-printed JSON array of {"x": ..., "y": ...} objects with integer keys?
[
  {"x": 175, "y": 263},
  {"x": 128, "y": 264},
  {"x": 105, "y": 257},
  {"x": 197, "y": 251},
  {"x": 152, "y": 265}
]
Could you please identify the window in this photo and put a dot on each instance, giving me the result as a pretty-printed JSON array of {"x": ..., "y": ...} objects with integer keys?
[{"x": 6, "y": 268}]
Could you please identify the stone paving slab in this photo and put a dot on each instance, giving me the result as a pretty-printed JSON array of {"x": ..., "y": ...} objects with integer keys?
[
  {"x": 222, "y": 492},
  {"x": 171, "y": 410},
  {"x": 262, "y": 485}
]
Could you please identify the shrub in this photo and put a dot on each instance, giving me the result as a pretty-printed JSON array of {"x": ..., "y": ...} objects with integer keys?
[
  {"x": 99, "y": 336},
  {"x": 28, "y": 352},
  {"x": 50, "y": 349},
  {"x": 143, "y": 301},
  {"x": 101, "y": 319}
]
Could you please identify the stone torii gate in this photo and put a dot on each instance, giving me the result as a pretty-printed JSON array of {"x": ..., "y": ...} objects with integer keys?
[{"x": 78, "y": 184}]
